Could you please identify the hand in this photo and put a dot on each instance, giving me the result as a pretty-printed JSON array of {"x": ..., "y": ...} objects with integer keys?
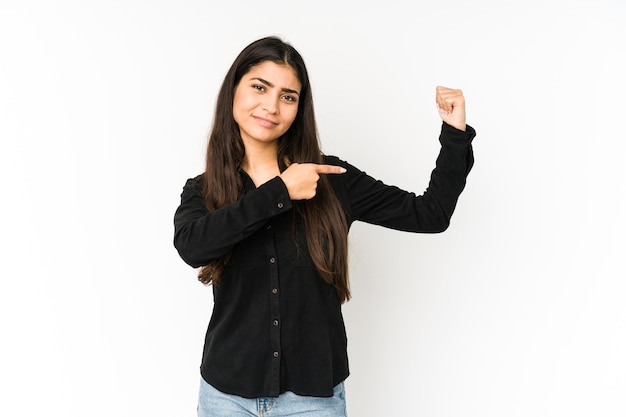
[
  {"x": 451, "y": 105},
  {"x": 301, "y": 179}
]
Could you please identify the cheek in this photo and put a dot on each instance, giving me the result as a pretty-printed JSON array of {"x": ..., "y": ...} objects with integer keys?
[
  {"x": 239, "y": 110},
  {"x": 241, "y": 101},
  {"x": 290, "y": 116}
]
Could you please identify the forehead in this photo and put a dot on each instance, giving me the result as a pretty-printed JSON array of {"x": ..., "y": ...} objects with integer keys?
[{"x": 281, "y": 75}]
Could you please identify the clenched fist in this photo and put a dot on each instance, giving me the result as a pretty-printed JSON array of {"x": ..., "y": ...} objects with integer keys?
[{"x": 451, "y": 105}]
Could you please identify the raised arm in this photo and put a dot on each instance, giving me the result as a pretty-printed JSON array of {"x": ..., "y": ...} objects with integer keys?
[{"x": 374, "y": 202}]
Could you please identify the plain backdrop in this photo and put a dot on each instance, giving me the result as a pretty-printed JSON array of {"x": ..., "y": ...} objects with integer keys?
[{"x": 519, "y": 309}]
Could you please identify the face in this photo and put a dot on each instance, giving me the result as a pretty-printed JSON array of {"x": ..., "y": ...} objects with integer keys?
[{"x": 266, "y": 103}]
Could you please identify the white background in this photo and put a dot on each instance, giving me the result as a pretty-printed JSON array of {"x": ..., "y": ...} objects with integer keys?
[{"x": 519, "y": 309}]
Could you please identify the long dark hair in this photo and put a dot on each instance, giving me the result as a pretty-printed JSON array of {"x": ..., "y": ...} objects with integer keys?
[{"x": 325, "y": 223}]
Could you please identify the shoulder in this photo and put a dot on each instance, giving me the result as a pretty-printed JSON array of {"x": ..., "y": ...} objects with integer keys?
[
  {"x": 194, "y": 184},
  {"x": 334, "y": 160},
  {"x": 351, "y": 169},
  {"x": 329, "y": 159}
]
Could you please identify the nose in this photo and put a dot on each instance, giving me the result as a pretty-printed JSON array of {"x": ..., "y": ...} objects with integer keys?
[{"x": 271, "y": 105}]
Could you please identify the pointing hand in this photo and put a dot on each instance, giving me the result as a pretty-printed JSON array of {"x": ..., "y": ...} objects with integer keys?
[{"x": 301, "y": 179}]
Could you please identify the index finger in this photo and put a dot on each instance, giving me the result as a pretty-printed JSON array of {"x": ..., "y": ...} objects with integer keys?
[{"x": 329, "y": 169}]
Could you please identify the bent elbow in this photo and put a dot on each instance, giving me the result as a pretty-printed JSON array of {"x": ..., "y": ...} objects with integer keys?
[
  {"x": 443, "y": 228},
  {"x": 441, "y": 225},
  {"x": 197, "y": 253},
  {"x": 187, "y": 251},
  {"x": 188, "y": 256},
  {"x": 191, "y": 261}
]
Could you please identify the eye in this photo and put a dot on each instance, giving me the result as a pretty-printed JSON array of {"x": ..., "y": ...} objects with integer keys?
[
  {"x": 290, "y": 98},
  {"x": 258, "y": 87}
]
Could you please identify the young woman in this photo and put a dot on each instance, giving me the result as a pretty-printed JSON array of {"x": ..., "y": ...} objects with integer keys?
[{"x": 267, "y": 223}]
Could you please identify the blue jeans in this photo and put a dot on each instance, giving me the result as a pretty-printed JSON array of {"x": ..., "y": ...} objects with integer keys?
[{"x": 214, "y": 403}]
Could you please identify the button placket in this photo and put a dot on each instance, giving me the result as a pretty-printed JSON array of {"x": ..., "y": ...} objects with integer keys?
[
  {"x": 273, "y": 321},
  {"x": 275, "y": 313}
]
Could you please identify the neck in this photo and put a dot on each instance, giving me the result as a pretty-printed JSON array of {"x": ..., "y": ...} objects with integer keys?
[{"x": 261, "y": 163}]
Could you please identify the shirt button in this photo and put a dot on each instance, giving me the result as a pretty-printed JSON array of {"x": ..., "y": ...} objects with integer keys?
[
  {"x": 269, "y": 226},
  {"x": 275, "y": 354},
  {"x": 274, "y": 290},
  {"x": 280, "y": 205},
  {"x": 272, "y": 260},
  {"x": 275, "y": 322}
]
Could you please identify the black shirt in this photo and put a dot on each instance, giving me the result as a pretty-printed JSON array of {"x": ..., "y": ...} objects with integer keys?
[{"x": 276, "y": 325}]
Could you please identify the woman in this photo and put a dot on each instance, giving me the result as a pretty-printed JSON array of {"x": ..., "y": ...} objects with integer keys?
[{"x": 268, "y": 221}]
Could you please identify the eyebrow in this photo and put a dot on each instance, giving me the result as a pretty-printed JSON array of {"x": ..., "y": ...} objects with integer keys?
[{"x": 269, "y": 84}]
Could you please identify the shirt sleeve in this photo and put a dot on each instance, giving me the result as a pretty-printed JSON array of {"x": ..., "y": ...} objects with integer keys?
[
  {"x": 201, "y": 235},
  {"x": 374, "y": 202}
]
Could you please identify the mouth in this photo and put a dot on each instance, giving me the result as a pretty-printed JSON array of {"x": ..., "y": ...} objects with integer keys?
[{"x": 265, "y": 122}]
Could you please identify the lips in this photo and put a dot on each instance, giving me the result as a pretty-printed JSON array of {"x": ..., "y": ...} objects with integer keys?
[{"x": 265, "y": 122}]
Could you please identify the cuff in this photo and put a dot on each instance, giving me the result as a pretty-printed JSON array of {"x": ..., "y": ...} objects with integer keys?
[{"x": 455, "y": 135}]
